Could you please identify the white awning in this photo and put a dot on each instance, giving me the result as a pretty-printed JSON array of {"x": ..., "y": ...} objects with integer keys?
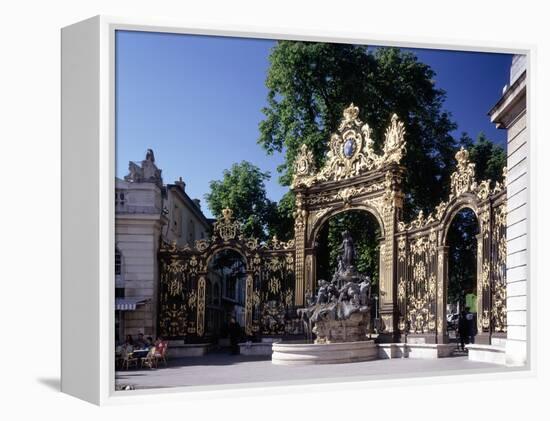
[{"x": 128, "y": 304}]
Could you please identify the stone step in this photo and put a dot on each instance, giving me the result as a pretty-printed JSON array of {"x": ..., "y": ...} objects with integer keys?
[{"x": 495, "y": 354}]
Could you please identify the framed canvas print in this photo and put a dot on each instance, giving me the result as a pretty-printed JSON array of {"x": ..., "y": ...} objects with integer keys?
[{"x": 265, "y": 209}]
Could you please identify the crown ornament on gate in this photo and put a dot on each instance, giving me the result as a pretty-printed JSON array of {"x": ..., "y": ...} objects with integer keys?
[
  {"x": 226, "y": 227},
  {"x": 350, "y": 151}
]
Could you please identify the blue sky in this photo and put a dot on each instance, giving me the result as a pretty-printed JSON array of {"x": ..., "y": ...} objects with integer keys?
[{"x": 196, "y": 101}]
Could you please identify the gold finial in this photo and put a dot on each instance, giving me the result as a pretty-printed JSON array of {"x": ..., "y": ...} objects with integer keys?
[
  {"x": 227, "y": 214},
  {"x": 351, "y": 112},
  {"x": 462, "y": 156}
]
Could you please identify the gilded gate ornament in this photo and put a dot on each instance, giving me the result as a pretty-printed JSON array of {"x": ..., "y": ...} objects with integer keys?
[
  {"x": 463, "y": 179},
  {"x": 201, "y": 297},
  {"x": 226, "y": 227},
  {"x": 305, "y": 164},
  {"x": 350, "y": 151},
  {"x": 462, "y": 182}
]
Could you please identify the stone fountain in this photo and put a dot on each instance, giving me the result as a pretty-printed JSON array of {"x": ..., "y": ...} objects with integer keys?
[{"x": 338, "y": 316}]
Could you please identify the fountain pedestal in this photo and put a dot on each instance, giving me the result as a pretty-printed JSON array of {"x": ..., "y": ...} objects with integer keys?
[
  {"x": 287, "y": 353},
  {"x": 353, "y": 329}
]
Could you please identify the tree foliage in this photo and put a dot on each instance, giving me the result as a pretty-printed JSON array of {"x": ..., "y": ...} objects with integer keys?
[
  {"x": 364, "y": 230},
  {"x": 242, "y": 189},
  {"x": 311, "y": 83},
  {"x": 489, "y": 157},
  {"x": 462, "y": 244}
]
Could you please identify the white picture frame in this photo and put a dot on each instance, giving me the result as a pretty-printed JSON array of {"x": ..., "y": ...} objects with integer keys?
[{"x": 88, "y": 173}]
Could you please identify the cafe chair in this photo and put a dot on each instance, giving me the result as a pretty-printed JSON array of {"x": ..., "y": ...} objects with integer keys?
[
  {"x": 160, "y": 354},
  {"x": 127, "y": 359},
  {"x": 149, "y": 360}
]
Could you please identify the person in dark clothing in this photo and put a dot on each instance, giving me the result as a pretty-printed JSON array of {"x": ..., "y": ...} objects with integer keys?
[
  {"x": 470, "y": 321},
  {"x": 463, "y": 329},
  {"x": 234, "y": 335}
]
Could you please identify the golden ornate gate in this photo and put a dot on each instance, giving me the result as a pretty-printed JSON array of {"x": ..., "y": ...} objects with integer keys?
[
  {"x": 413, "y": 256},
  {"x": 269, "y": 284}
]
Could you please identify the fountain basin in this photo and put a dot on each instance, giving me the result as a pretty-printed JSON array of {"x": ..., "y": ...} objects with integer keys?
[{"x": 303, "y": 353}]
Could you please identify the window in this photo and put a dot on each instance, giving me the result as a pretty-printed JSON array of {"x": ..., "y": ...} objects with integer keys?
[
  {"x": 118, "y": 263},
  {"x": 191, "y": 228}
]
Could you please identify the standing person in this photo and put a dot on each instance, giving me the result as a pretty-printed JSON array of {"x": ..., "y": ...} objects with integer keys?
[
  {"x": 234, "y": 335},
  {"x": 470, "y": 321},
  {"x": 463, "y": 329}
]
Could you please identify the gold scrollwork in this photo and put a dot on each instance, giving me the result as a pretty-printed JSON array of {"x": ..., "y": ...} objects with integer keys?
[
  {"x": 351, "y": 151},
  {"x": 401, "y": 248},
  {"x": 201, "y": 298},
  {"x": 192, "y": 300},
  {"x": 274, "y": 285},
  {"x": 226, "y": 227},
  {"x": 248, "y": 305},
  {"x": 485, "y": 278},
  {"x": 485, "y": 321},
  {"x": 401, "y": 290}
]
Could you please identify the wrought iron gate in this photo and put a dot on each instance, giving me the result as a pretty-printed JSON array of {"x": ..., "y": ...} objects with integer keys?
[{"x": 413, "y": 256}]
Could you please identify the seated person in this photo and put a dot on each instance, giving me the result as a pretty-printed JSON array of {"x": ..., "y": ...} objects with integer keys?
[
  {"x": 160, "y": 345},
  {"x": 140, "y": 342},
  {"x": 128, "y": 344}
]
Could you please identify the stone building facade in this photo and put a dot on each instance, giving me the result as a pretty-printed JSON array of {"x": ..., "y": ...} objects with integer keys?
[
  {"x": 510, "y": 113},
  {"x": 146, "y": 210}
]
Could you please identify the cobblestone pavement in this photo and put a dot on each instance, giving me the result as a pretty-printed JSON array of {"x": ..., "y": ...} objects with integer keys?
[{"x": 223, "y": 369}]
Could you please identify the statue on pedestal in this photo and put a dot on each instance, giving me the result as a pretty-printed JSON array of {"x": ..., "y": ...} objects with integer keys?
[{"x": 340, "y": 311}]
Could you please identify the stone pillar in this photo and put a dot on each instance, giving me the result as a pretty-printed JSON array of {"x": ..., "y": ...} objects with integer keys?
[
  {"x": 392, "y": 211},
  {"x": 442, "y": 291},
  {"x": 483, "y": 288},
  {"x": 510, "y": 113},
  {"x": 310, "y": 266},
  {"x": 300, "y": 226}
]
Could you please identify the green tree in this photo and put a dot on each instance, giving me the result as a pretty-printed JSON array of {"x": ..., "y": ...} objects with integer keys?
[
  {"x": 462, "y": 244},
  {"x": 309, "y": 86},
  {"x": 311, "y": 83},
  {"x": 489, "y": 157},
  {"x": 364, "y": 230},
  {"x": 242, "y": 189}
]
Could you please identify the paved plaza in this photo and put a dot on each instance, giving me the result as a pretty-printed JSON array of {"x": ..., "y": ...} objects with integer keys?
[{"x": 223, "y": 369}]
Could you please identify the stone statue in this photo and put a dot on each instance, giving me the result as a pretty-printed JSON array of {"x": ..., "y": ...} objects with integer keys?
[
  {"x": 348, "y": 251},
  {"x": 135, "y": 173},
  {"x": 148, "y": 172},
  {"x": 340, "y": 310},
  {"x": 150, "y": 156}
]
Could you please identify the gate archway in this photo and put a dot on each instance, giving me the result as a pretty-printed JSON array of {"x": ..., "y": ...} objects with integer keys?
[
  {"x": 423, "y": 258},
  {"x": 269, "y": 283},
  {"x": 354, "y": 177},
  {"x": 225, "y": 290}
]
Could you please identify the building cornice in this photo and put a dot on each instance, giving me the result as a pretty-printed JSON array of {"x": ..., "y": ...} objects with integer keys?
[{"x": 514, "y": 95}]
